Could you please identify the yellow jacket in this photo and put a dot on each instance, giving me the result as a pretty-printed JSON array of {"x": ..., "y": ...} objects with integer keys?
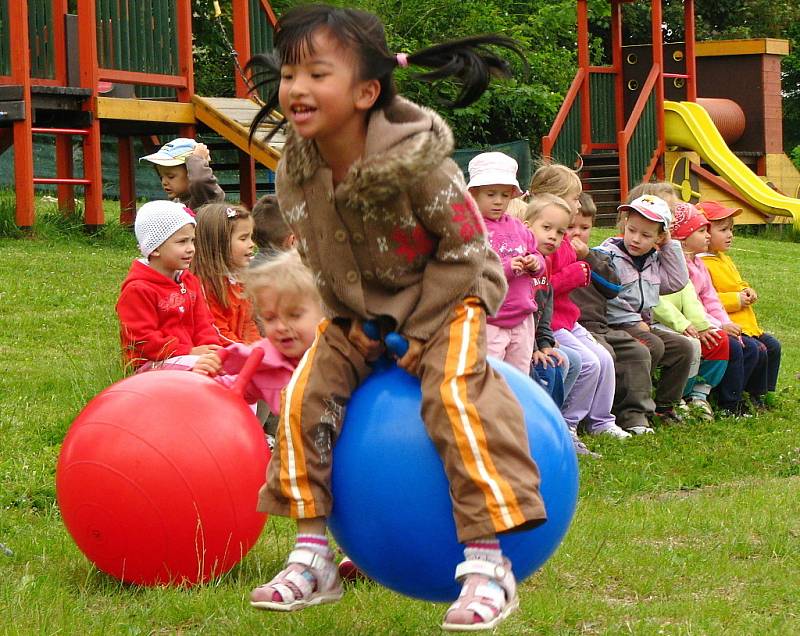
[{"x": 728, "y": 283}]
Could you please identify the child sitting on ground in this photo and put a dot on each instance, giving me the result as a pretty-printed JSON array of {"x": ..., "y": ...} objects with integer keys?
[
  {"x": 645, "y": 273},
  {"x": 224, "y": 249},
  {"x": 682, "y": 312},
  {"x": 738, "y": 299},
  {"x": 548, "y": 217},
  {"x": 271, "y": 233},
  {"x": 163, "y": 315},
  {"x": 384, "y": 221},
  {"x": 186, "y": 177},
  {"x": 593, "y": 394},
  {"x": 633, "y": 400},
  {"x": 493, "y": 184}
]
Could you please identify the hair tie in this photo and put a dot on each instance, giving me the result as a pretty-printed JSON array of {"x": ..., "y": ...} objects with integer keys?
[
  {"x": 402, "y": 59},
  {"x": 230, "y": 213}
]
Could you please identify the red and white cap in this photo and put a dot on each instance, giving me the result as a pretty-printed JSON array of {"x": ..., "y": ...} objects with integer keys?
[{"x": 650, "y": 207}]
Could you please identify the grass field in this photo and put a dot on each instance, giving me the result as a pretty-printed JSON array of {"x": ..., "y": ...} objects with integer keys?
[{"x": 694, "y": 530}]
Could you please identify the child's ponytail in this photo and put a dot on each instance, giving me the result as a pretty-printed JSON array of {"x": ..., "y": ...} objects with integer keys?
[{"x": 468, "y": 60}]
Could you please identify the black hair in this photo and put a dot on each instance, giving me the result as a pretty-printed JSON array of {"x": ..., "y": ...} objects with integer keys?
[{"x": 468, "y": 60}]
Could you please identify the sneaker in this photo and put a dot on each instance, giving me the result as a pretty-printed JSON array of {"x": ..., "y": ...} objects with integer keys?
[
  {"x": 640, "y": 430},
  {"x": 580, "y": 447},
  {"x": 702, "y": 409},
  {"x": 611, "y": 430}
]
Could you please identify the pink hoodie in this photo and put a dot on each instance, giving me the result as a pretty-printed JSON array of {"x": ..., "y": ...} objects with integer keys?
[
  {"x": 701, "y": 279},
  {"x": 567, "y": 273},
  {"x": 270, "y": 378}
]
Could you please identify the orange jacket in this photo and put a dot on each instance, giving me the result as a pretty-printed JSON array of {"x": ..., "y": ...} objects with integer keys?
[{"x": 235, "y": 322}]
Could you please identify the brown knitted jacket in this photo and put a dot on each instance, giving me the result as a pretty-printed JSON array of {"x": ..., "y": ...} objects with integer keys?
[{"x": 400, "y": 236}]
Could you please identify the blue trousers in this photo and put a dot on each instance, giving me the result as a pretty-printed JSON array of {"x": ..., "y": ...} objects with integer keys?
[
  {"x": 551, "y": 379},
  {"x": 744, "y": 357},
  {"x": 765, "y": 375}
]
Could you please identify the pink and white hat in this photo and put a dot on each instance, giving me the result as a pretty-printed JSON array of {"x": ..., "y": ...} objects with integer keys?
[
  {"x": 493, "y": 168},
  {"x": 687, "y": 220},
  {"x": 650, "y": 207}
]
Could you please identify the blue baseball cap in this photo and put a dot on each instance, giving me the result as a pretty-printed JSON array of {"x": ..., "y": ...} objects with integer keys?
[{"x": 173, "y": 153}]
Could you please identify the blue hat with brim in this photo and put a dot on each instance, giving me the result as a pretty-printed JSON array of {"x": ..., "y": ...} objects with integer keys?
[{"x": 173, "y": 153}]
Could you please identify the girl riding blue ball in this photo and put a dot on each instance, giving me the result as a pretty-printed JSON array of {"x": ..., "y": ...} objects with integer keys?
[{"x": 382, "y": 216}]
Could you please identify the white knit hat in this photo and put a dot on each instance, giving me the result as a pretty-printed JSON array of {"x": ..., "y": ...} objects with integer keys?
[{"x": 156, "y": 221}]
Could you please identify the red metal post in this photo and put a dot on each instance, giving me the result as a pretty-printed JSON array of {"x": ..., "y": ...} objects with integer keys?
[
  {"x": 583, "y": 62},
  {"x": 23, "y": 138},
  {"x": 127, "y": 181},
  {"x": 691, "y": 64},
  {"x": 658, "y": 60},
  {"x": 89, "y": 76}
]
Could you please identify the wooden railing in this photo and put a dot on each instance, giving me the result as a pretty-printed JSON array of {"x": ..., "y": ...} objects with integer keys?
[
  {"x": 640, "y": 143},
  {"x": 563, "y": 143}
]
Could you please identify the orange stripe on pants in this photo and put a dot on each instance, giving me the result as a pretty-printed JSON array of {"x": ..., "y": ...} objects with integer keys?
[{"x": 468, "y": 429}]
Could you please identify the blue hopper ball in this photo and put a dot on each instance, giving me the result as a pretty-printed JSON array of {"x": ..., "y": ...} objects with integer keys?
[{"x": 392, "y": 512}]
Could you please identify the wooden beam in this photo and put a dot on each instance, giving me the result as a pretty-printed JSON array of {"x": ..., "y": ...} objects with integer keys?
[
  {"x": 127, "y": 181},
  {"x": 758, "y": 46},
  {"x": 145, "y": 110},
  {"x": 208, "y": 111},
  {"x": 23, "y": 137}
]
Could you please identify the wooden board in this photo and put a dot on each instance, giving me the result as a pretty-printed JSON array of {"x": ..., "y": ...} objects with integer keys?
[
  {"x": 145, "y": 110},
  {"x": 231, "y": 117}
]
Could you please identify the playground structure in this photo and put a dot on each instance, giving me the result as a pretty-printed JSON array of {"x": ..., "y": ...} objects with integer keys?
[
  {"x": 670, "y": 111},
  {"x": 121, "y": 68}
]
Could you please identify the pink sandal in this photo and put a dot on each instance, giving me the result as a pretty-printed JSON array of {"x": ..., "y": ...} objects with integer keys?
[
  {"x": 488, "y": 596},
  {"x": 308, "y": 579}
]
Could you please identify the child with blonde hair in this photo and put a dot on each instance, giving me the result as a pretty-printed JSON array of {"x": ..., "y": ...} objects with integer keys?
[
  {"x": 510, "y": 332},
  {"x": 633, "y": 401},
  {"x": 163, "y": 316},
  {"x": 383, "y": 219},
  {"x": 592, "y": 396},
  {"x": 649, "y": 264},
  {"x": 554, "y": 368},
  {"x": 224, "y": 244},
  {"x": 284, "y": 296}
]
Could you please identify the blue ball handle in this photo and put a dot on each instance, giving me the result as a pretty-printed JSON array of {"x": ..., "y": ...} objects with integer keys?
[{"x": 396, "y": 344}]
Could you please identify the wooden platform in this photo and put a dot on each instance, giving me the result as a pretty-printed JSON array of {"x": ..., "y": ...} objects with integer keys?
[{"x": 231, "y": 118}]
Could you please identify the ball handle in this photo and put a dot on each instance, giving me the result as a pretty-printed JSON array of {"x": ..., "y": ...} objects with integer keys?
[{"x": 396, "y": 345}]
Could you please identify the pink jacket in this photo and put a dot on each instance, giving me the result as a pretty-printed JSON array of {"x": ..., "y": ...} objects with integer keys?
[
  {"x": 566, "y": 273},
  {"x": 269, "y": 380},
  {"x": 701, "y": 279},
  {"x": 510, "y": 238}
]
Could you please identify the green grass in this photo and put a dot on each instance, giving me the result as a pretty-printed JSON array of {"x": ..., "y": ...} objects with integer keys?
[{"x": 693, "y": 530}]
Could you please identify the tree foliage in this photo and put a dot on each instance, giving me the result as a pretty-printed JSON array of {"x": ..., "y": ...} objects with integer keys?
[{"x": 524, "y": 107}]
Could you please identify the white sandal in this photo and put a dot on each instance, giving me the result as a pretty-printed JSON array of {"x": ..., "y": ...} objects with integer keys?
[
  {"x": 308, "y": 579},
  {"x": 489, "y": 593}
]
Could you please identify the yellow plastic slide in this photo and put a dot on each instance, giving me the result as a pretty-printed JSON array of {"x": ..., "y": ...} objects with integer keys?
[{"x": 689, "y": 126}]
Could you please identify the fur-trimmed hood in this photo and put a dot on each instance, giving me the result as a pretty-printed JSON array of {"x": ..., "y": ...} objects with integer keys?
[{"x": 405, "y": 143}]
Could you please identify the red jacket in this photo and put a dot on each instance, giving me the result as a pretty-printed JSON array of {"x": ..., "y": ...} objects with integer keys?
[
  {"x": 566, "y": 273},
  {"x": 235, "y": 322},
  {"x": 161, "y": 318}
]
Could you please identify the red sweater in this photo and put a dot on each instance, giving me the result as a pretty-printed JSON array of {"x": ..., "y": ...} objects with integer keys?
[
  {"x": 235, "y": 322},
  {"x": 566, "y": 273},
  {"x": 161, "y": 318}
]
